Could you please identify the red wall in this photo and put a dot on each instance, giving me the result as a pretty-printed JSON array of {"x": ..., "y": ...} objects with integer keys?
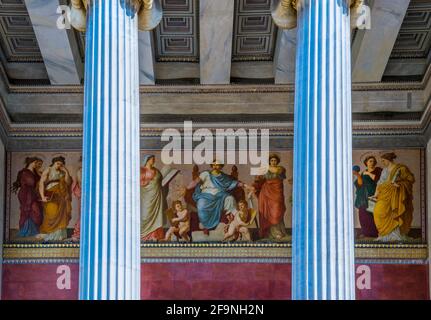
[{"x": 213, "y": 281}]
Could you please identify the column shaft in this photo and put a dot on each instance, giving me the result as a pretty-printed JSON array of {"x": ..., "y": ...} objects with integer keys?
[
  {"x": 110, "y": 242},
  {"x": 323, "y": 243}
]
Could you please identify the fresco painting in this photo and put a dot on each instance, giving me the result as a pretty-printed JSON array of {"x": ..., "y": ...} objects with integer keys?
[
  {"x": 387, "y": 195},
  {"x": 214, "y": 202}
]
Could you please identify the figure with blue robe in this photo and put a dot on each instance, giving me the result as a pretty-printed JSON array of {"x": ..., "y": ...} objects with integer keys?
[{"x": 213, "y": 195}]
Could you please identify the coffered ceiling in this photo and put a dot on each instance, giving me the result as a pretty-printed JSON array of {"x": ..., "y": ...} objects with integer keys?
[
  {"x": 257, "y": 49},
  {"x": 176, "y": 39},
  {"x": 410, "y": 55},
  {"x": 18, "y": 41},
  {"x": 414, "y": 38},
  {"x": 254, "y": 33}
]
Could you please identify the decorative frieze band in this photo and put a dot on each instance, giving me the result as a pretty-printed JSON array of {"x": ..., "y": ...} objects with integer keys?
[{"x": 266, "y": 252}]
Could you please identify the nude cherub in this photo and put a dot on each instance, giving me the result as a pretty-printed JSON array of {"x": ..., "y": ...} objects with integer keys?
[
  {"x": 180, "y": 224},
  {"x": 238, "y": 224}
]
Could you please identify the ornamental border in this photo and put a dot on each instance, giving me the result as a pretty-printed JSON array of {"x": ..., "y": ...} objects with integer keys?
[{"x": 265, "y": 252}]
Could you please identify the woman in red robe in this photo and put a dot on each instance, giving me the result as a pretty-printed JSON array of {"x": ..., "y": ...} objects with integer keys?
[
  {"x": 270, "y": 191},
  {"x": 31, "y": 214}
]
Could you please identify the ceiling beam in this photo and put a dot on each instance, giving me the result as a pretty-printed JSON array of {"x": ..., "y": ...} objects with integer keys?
[
  {"x": 194, "y": 100},
  {"x": 176, "y": 70},
  {"x": 146, "y": 58},
  {"x": 372, "y": 48},
  {"x": 285, "y": 57},
  {"x": 252, "y": 70},
  {"x": 215, "y": 41},
  {"x": 187, "y": 70},
  {"x": 58, "y": 46}
]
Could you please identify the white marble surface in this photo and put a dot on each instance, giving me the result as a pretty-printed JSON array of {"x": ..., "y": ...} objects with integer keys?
[
  {"x": 285, "y": 57},
  {"x": 216, "y": 25},
  {"x": 110, "y": 212},
  {"x": 146, "y": 58},
  {"x": 372, "y": 48},
  {"x": 322, "y": 219},
  {"x": 58, "y": 47}
]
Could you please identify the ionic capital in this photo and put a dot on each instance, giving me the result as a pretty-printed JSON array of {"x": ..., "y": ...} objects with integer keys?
[
  {"x": 284, "y": 12},
  {"x": 149, "y": 13}
]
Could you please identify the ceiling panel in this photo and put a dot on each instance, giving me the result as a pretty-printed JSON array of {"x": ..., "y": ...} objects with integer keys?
[
  {"x": 176, "y": 38},
  {"x": 410, "y": 55},
  {"x": 254, "y": 33},
  {"x": 17, "y": 37},
  {"x": 414, "y": 39}
]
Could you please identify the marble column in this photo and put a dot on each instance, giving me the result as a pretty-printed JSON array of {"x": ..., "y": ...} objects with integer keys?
[
  {"x": 110, "y": 219},
  {"x": 322, "y": 241},
  {"x": 323, "y": 244}
]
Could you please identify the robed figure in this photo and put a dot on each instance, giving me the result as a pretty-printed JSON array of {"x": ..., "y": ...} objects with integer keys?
[{"x": 213, "y": 195}]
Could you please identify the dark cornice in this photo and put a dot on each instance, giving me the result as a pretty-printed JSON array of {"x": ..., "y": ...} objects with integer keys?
[{"x": 365, "y": 127}]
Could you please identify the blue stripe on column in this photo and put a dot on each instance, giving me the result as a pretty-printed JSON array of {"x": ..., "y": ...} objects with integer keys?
[
  {"x": 110, "y": 243},
  {"x": 322, "y": 262}
]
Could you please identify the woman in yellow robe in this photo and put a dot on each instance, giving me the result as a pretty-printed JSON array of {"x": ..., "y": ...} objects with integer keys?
[
  {"x": 393, "y": 212},
  {"x": 55, "y": 192}
]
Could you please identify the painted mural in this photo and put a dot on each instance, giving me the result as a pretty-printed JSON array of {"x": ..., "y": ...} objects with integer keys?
[
  {"x": 216, "y": 202},
  {"x": 388, "y": 201}
]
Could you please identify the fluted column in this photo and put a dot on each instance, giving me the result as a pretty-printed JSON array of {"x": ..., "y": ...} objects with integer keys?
[
  {"x": 110, "y": 239},
  {"x": 323, "y": 243}
]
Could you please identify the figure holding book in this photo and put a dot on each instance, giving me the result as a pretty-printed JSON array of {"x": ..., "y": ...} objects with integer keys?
[{"x": 154, "y": 190}]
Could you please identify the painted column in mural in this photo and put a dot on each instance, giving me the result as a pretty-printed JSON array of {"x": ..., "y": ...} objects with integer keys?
[
  {"x": 110, "y": 220},
  {"x": 323, "y": 242}
]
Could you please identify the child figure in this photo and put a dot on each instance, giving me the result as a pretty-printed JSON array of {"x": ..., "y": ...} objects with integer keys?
[
  {"x": 238, "y": 224},
  {"x": 180, "y": 224}
]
